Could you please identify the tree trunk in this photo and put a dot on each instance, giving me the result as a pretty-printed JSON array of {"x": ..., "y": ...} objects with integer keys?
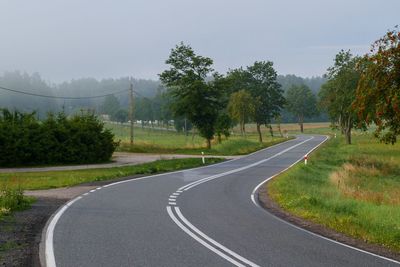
[
  {"x": 219, "y": 138},
  {"x": 271, "y": 131},
  {"x": 259, "y": 133},
  {"x": 241, "y": 128},
  {"x": 348, "y": 131},
  {"x": 348, "y": 136},
  {"x": 301, "y": 120},
  {"x": 208, "y": 143}
]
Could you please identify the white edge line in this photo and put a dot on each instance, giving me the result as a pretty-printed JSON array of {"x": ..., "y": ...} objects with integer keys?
[
  {"x": 49, "y": 249},
  {"x": 201, "y": 241},
  {"x": 206, "y": 179},
  {"x": 50, "y": 260},
  {"x": 305, "y": 230},
  {"x": 212, "y": 241}
]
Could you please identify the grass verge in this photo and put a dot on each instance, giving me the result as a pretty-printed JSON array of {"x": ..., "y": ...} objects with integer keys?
[
  {"x": 53, "y": 179},
  {"x": 353, "y": 189}
]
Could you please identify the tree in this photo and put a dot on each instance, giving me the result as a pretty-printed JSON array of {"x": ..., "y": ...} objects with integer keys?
[
  {"x": 241, "y": 108},
  {"x": 194, "y": 97},
  {"x": 266, "y": 92},
  {"x": 378, "y": 92},
  {"x": 301, "y": 102},
  {"x": 223, "y": 125},
  {"x": 110, "y": 105},
  {"x": 121, "y": 115},
  {"x": 338, "y": 93}
]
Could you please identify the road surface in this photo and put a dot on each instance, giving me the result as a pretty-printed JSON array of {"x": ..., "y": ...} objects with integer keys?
[{"x": 200, "y": 217}]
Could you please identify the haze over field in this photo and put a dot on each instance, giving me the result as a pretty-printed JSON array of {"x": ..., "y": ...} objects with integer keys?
[{"x": 65, "y": 40}]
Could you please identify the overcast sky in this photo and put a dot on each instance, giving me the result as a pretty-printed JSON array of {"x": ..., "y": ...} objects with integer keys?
[{"x": 70, "y": 39}]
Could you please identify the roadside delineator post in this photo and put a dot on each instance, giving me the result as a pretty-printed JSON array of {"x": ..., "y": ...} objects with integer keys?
[
  {"x": 305, "y": 159},
  {"x": 202, "y": 158}
]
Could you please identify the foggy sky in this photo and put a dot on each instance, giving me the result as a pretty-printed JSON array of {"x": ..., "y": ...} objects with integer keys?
[{"x": 70, "y": 39}]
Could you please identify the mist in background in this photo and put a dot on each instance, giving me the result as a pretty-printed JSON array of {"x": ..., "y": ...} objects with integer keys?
[{"x": 64, "y": 40}]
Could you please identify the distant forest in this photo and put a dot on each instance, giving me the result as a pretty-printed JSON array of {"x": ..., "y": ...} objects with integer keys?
[{"x": 150, "y": 100}]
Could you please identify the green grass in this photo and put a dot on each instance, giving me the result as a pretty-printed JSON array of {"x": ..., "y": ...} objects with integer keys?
[
  {"x": 55, "y": 179},
  {"x": 353, "y": 189},
  {"x": 161, "y": 141},
  {"x": 12, "y": 199}
]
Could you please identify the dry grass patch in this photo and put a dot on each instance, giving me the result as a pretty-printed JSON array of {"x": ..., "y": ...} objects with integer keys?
[{"x": 368, "y": 179}]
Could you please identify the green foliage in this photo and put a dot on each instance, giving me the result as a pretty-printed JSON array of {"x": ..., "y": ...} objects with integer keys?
[
  {"x": 57, "y": 140},
  {"x": 301, "y": 102},
  {"x": 110, "y": 105},
  {"x": 241, "y": 108},
  {"x": 223, "y": 125},
  {"x": 338, "y": 93},
  {"x": 12, "y": 199},
  {"x": 121, "y": 116},
  {"x": 260, "y": 80},
  {"x": 378, "y": 93},
  {"x": 194, "y": 97}
]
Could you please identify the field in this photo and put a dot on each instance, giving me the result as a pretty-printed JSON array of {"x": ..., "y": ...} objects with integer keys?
[
  {"x": 353, "y": 189},
  {"x": 150, "y": 140}
]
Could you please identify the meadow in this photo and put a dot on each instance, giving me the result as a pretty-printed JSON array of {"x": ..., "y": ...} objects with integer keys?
[
  {"x": 353, "y": 189},
  {"x": 149, "y": 140}
]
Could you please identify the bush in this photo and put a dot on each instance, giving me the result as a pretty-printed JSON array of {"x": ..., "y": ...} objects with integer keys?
[{"x": 57, "y": 140}]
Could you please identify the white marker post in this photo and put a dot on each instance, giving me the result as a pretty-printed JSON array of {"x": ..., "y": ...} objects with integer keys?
[
  {"x": 202, "y": 158},
  {"x": 305, "y": 159}
]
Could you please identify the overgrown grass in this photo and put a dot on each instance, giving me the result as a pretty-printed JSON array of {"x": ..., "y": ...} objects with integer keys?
[
  {"x": 162, "y": 141},
  {"x": 55, "y": 179},
  {"x": 353, "y": 189},
  {"x": 12, "y": 198}
]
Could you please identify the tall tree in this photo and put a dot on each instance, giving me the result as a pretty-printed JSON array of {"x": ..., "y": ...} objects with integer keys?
[
  {"x": 194, "y": 97},
  {"x": 110, "y": 105},
  {"x": 266, "y": 92},
  {"x": 378, "y": 92},
  {"x": 338, "y": 93},
  {"x": 301, "y": 102},
  {"x": 241, "y": 108}
]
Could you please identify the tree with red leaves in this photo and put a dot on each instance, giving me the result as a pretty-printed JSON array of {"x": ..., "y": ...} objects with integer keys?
[{"x": 378, "y": 93}]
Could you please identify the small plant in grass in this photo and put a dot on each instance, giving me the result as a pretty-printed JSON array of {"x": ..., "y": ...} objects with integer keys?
[{"x": 12, "y": 198}]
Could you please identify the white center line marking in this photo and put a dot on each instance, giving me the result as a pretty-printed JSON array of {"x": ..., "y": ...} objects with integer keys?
[{"x": 201, "y": 241}]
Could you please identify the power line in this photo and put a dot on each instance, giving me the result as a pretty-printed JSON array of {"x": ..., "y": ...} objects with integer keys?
[{"x": 61, "y": 97}]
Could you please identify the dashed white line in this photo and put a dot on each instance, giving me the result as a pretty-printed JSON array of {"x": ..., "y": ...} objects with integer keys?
[{"x": 172, "y": 203}]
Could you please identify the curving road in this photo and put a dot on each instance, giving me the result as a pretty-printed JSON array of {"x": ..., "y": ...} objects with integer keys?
[{"x": 200, "y": 217}]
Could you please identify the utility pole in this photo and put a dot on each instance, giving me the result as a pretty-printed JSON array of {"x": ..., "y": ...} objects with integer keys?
[{"x": 132, "y": 108}]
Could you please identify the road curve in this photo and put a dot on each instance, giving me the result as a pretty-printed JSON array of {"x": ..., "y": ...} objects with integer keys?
[{"x": 199, "y": 217}]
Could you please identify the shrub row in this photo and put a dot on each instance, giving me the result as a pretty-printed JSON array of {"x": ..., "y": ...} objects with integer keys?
[{"x": 81, "y": 139}]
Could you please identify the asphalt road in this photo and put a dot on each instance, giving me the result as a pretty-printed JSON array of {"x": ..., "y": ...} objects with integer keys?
[{"x": 199, "y": 217}]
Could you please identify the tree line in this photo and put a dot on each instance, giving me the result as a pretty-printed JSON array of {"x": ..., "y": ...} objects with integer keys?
[{"x": 243, "y": 95}]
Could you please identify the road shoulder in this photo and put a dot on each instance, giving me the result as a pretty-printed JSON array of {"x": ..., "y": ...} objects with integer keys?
[{"x": 272, "y": 207}]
